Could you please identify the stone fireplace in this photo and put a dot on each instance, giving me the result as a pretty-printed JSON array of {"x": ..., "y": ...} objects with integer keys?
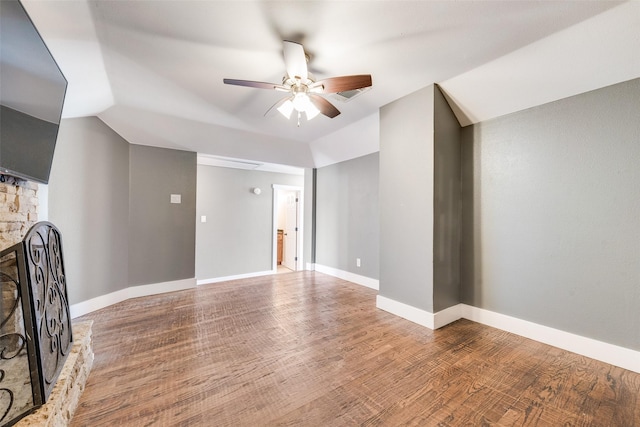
[{"x": 36, "y": 336}]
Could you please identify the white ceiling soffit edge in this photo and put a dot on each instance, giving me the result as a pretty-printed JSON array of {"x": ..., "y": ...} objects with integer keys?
[
  {"x": 85, "y": 70},
  {"x": 228, "y": 162},
  {"x": 178, "y": 133},
  {"x": 355, "y": 140},
  {"x": 590, "y": 55}
]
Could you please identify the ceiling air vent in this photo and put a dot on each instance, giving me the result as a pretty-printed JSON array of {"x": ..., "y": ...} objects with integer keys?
[
  {"x": 226, "y": 162},
  {"x": 348, "y": 95}
]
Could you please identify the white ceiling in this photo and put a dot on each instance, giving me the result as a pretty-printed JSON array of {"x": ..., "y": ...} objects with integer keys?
[{"x": 153, "y": 70}]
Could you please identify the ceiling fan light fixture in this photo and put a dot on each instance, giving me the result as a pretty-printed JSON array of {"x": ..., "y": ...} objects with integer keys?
[
  {"x": 286, "y": 109},
  {"x": 311, "y": 111},
  {"x": 303, "y": 104},
  {"x": 301, "y": 101}
]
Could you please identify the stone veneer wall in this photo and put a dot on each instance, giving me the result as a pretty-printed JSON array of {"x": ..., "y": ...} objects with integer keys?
[
  {"x": 18, "y": 212},
  {"x": 18, "y": 209},
  {"x": 65, "y": 396}
]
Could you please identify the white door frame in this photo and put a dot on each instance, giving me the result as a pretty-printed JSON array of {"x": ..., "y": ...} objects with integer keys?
[{"x": 274, "y": 237}]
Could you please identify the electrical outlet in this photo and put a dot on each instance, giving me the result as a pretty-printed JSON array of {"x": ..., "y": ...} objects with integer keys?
[{"x": 357, "y": 262}]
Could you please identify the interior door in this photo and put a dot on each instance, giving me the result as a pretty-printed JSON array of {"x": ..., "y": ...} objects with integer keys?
[{"x": 291, "y": 231}]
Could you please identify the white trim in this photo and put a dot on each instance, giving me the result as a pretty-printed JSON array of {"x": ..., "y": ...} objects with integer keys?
[
  {"x": 300, "y": 234},
  {"x": 605, "y": 352},
  {"x": 311, "y": 266},
  {"x": 274, "y": 228},
  {"x": 235, "y": 163},
  {"x": 43, "y": 202},
  {"x": 93, "y": 304},
  {"x": 406, "y": 311},
  {"x": 448, "y": 315},
  {"x": 236, "y": 277},
  {"x": 286, "y": 187},
  {"x": 161, "y": 288},
  {"x": 346, "y": 275}
]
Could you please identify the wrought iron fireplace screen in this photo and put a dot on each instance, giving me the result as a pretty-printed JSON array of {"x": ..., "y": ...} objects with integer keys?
[{"x": 35, "y": 330}]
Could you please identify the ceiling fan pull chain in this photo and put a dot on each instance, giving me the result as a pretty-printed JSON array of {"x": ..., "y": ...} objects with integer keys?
[{"x": 299, "y": 114}]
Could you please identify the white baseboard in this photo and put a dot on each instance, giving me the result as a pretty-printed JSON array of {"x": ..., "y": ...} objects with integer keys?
[
  {"x": 93, "y": 304},
  {"x": 346, "y": 275},
  {"x": 417, "y": 315},
  {"x": 605, "y": 352},
  {"x": 448, "y": 315},
  {"x": 406, "y": 311},
  {"x": 236, "y": 277}
]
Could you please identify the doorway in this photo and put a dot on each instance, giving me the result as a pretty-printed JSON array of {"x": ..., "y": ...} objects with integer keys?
[{"x": 287, "y": 228}]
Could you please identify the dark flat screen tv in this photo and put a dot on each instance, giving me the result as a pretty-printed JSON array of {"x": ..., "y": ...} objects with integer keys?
[{"x": 32, "y": 91}]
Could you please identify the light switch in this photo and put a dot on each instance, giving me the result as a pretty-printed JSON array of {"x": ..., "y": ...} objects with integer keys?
[
  {"x": 203, "y": 218},
  {"x": 176, "y": 198}
]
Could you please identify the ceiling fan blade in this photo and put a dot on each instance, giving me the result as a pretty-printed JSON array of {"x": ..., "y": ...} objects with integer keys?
[
  {"x": 258, "y": 85},
  {"x": 324, "y": 106},
  {"x": 341, "y": 84},
  {"x": 295, "y": 60}
]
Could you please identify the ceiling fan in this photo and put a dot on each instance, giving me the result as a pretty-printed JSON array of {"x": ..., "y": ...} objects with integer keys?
[{"x": 304, "y": 91}]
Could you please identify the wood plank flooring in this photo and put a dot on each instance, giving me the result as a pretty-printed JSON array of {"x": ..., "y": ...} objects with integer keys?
[{"x": 306, "y": 349}]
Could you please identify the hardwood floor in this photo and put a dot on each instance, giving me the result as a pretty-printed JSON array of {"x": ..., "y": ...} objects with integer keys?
[{"x": 311, "y": 350}]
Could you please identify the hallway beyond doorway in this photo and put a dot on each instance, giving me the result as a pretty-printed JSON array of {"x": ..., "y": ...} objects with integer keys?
[{"x": 282, "y": 269}]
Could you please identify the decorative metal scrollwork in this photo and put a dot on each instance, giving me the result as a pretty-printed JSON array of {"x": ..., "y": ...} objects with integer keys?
[
  {"x": 35, "y": 324},
  {"x": 8, "y": 314},
  {"x": 12, "y": 342},
  {"x": 49, "y": 293},
  {"x": 6, "y": 398},
  {"x": 11, "y": 345}
]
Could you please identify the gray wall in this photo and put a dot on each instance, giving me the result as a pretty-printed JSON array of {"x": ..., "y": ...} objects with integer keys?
[
  {"x": 309, "y": 218},
  {"x": 347, "y": 216},
  {"x": 420, "y": 218},
  {"x": 446, "y": 205},
  {"x": 161, "y": 234},
  {"x": 238, "y": 235},
  {"x": 551, "y": 197},
  {"x": 406, "y": 199},
  {"x": 101, "y": 196},
  {"x": 89, "y": 203}
]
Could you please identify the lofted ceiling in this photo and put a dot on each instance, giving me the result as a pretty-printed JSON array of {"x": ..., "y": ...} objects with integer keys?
[{"x": 153, "y": 70}]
